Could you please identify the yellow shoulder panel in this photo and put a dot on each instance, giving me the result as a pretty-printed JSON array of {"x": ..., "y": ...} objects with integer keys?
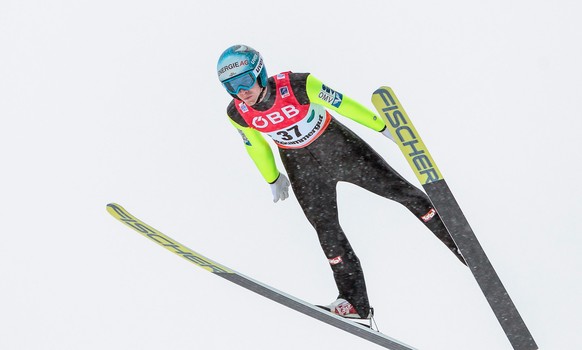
[{"x": 323, "y": 95}]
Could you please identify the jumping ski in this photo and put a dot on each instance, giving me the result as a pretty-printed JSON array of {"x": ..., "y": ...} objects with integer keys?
[
  {"x": 308, "y": 309},
  {"x": 447, "y": 207}
]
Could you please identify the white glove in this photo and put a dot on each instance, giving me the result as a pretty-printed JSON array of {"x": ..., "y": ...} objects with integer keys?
[
  {"x": 387, "y": 133},
  {"x": 280, "y": 188}
]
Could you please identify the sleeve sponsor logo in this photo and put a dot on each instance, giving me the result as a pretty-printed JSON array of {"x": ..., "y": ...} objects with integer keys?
[
  {"x": 330, "y": 96},
  {"x": 244, "y": 137}
]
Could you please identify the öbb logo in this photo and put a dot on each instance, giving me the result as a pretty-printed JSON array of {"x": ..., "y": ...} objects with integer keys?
[{"x": 287, "y": 112}]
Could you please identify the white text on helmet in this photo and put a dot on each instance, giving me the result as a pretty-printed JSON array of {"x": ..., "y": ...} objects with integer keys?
[{"x": 259, "y": 67}]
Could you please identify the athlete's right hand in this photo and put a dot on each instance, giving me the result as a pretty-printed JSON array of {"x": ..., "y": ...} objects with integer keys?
[{"x": 280, "y": 188}]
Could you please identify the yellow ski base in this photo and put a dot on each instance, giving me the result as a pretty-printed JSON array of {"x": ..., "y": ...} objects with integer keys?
[
  {"x": 405, "y": 135},
  {"x": 122, "y": 215}
]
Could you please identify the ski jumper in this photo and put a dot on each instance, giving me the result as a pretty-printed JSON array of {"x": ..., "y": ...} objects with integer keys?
[{"x": 317, "y": 152}]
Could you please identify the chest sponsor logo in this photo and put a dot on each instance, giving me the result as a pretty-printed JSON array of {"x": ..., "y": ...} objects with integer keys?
[
  {"x": 286, "y": 112},
  {"x": 284, "y": 91},
  {"x": 330, "y": 96}
]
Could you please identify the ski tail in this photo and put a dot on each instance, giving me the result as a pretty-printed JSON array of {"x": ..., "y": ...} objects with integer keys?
[{"x": 437, "y": 189}]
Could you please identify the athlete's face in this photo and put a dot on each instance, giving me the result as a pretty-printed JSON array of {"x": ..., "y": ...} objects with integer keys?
[{"x": 250, "y": 96}]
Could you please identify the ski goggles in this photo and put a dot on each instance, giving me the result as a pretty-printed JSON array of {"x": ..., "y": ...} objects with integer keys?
[{"x": 243, "y": 81}]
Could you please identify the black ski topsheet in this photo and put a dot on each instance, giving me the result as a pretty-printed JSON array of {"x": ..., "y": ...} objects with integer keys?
[
  {"x": 432, "y": 181},
  {"x": 308, "y": 309}
]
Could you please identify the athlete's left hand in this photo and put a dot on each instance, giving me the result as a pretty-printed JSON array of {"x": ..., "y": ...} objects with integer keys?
[{"x": 387, "y": 133}]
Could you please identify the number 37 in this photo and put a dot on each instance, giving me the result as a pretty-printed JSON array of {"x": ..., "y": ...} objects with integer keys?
[{"x": 285, "y": 133}]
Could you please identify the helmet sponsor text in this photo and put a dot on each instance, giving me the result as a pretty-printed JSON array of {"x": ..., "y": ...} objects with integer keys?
[{"x": 233, "y": 65}]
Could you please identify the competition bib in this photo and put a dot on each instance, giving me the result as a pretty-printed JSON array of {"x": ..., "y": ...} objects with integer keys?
[
  {"x": 303, "y": 132},
  {"x": 289, "y": 123}
]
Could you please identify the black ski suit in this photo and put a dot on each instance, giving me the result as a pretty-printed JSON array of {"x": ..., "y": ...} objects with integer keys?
[{"x": 314, "y": 170}]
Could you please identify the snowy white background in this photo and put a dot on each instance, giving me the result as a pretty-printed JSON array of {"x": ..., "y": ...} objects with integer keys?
[{"x": 118, "y": 101}]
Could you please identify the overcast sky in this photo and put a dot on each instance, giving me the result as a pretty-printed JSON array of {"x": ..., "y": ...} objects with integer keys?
[{"x": 118, "y": 101}]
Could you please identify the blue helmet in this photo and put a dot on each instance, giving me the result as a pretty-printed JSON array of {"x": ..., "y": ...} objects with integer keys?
[{"x": 239, "y": 67}]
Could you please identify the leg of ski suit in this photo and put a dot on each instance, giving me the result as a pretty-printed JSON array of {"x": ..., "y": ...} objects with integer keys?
[
  {"x": 367, "y": 169},
  {"x": 314, "y": 171}
]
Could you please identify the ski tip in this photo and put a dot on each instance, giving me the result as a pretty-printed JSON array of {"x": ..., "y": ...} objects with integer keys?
[
  {"x": 112, "y": 205},
  {"x": 382, "y": 88},
  {"x": 114, "y": 208}
]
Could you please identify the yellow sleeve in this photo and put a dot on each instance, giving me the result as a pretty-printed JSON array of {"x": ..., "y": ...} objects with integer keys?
[
  {"x": 321, "y": 94},
  {"x": 260, "y": 152}
]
